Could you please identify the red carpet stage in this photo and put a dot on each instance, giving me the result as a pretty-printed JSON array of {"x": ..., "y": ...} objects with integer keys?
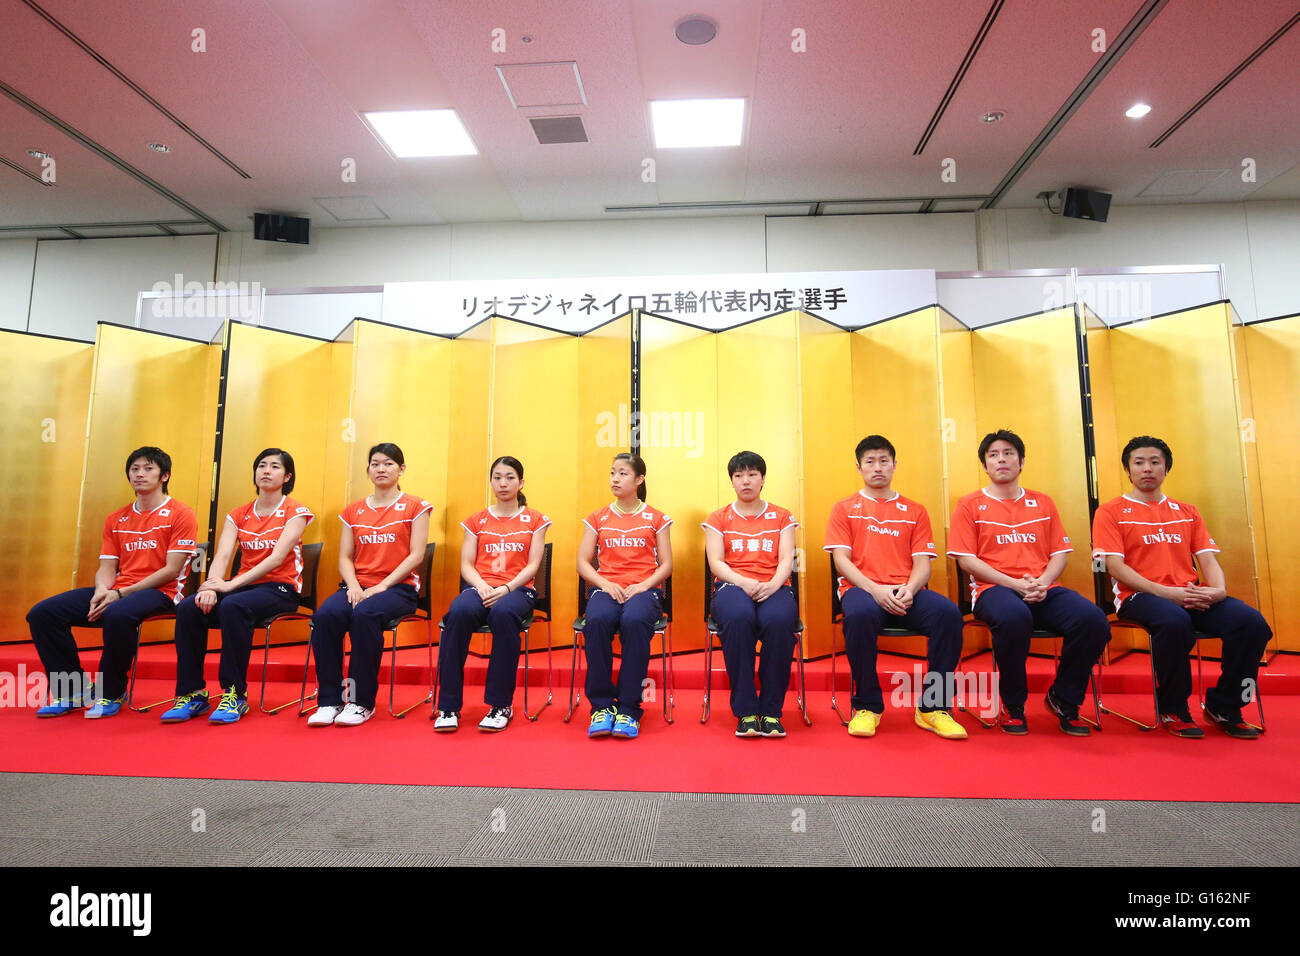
[{"x": 1121, "y": 763}]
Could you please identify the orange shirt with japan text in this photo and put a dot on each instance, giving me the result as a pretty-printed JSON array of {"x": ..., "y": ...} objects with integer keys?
[
  {"x": 504, "y": 543},
  {"x": 1017, "y": 536},
  {"x": 259, "y": 533},
  {"x": 381, "y": 537},
  {"x": 751, "y": 544},
  {"x": 141, "y": 540},
  {"x": 882, "y": 536},
  {"x": 1156, "y": 540},
  {"x": 627, "y": 550}
]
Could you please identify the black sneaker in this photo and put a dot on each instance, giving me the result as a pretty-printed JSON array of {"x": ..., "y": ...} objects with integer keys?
[
  {"x": 1230, "y": 722},
  {"x": 772, "y": 727},
  {"x": 1180, "y": 724},
  {"x": 748, "y": 727},
  {"x": 1071, "y": 722},
  {"x": 1013, "y": 722}
]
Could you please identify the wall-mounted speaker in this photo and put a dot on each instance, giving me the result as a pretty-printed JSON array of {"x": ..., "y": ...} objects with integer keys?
[{"x": 273, "y": 228}]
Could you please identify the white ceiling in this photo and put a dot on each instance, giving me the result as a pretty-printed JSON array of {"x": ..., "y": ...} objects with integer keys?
[{"x": 277, "y": 96}]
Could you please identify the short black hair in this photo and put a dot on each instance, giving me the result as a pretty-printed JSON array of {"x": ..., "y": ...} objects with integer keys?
[
  {"x": 746, "y": 461},
  {"x": 286, "y": 459},
  {"x": 153, "y": 454},
  {"x": 873, "y": 443},
  {"x": 1002, "y": 434},
  {"x": 1147, "y": 441}
]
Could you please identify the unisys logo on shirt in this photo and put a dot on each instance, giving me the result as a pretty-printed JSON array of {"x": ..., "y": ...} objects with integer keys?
[
  {"x": 625, "y": 541},
  {"x": 146, "y": 544},
  {"x": 385, "y": 538},
  {"x": 1018, "y": 537},
  {"x": 502, "y": 547},
  {"x": 257, "y": 544}
]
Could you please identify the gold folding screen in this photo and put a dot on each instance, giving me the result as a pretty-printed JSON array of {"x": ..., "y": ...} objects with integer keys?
[
  {"x": 1272, "y": 353},
  {"x": 292, "y": 392},
  {"x": 792, "y": 387},
  {"x": 1174, "y": 377},
  {"x": 45, "y": 382},
  {"x": 147, "y": 389}
]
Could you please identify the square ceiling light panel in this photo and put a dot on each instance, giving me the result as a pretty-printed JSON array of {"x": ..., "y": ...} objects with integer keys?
[
  {"x": 686, "y": 124},
  {"x": 548, "y": 85},
  {"x": 411, "y": 133}
]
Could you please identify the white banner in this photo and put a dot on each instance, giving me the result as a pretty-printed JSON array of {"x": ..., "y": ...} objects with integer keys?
[{"x": 718, "y": 301}]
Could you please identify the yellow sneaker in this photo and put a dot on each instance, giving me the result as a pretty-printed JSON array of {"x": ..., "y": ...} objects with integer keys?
[
  {"x": 941, "y": 723},
  {"x": 864, "y": 723}
]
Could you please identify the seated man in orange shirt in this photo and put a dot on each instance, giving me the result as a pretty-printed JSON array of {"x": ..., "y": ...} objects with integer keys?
[
  {"x": 1153, "y": 546},
  {"x": 1011, "y": 542},
  {"x": 142, "y": 568}
]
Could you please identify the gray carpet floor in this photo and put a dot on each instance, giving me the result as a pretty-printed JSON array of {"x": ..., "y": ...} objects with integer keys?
[{"x": 48, "y": 819}]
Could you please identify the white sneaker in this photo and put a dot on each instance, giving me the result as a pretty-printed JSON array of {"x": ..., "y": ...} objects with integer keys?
[
  {"x": 323, "y": 716},
  {"x": 497, "y": 719},
  {"x": 354, "y": 715},
  {"x": 448, "y": 720}
]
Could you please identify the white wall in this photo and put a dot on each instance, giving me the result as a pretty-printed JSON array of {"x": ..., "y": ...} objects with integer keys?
[
  {"x": 1257, "y": 243},
  {"x": 80, "y": 282},
  {"x": 942, "y": 242},
  {"x": 17, "y": 257}
]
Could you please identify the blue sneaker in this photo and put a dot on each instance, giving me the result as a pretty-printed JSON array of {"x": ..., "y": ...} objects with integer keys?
[
  {"x": 625, "y": 726},
  {"x": 62, "y": 706},
  {"x": 231, "y": 708},
  {"x": 602, "y": 722},
  {"x": 104, "y": 708},
  {"x": 186, "y": 706}
]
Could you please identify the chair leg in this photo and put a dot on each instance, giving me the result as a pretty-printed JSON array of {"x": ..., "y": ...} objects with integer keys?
[
  {"x": 573, "y": 677},
  {"x": 550, "y": 687},
  {"x": 708, "y": 674},
  {"x": 672, "y": 675},
  {"x": 392, "y": 680},
  {"x": 130, "y": 692},
  {"x": 844, "y": 721},
  {"x": 1103, "y": 709},
  {"x": 664, "y": 662},
  {"x": 997, "y": 704},
  {"x": 433, "y": 714},
  {"x": 266, "y": 659},
  {"x": 304, "y": 710},
  {"x": 803, "y": 685}
]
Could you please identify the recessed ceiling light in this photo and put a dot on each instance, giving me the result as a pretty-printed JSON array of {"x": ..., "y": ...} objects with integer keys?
[
  {"x": 680, "y": 124},
  {"x": 1137, "y": 111},
  {"x": 160, "y": 147},
  {"x": 695, "y": 31},
  {"x": 992, "y": 116},
  {"x": 423, "y": 133},
  {"x": 38, "y": 154}
]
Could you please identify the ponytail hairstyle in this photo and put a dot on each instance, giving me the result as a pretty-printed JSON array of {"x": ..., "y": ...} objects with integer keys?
[
  {"x": 286, "y": 460},
  {"x": 518, "y": 469},
  {"x": 389, "y": 450},
  {"x": 638, "y": 468}
]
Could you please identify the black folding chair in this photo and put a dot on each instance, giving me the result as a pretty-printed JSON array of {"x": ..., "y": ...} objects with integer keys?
[
  {"x": 837, "y": 617},
  {"x": 307, "y": 600},
  {"x": 541, "y": 615},
  {"x": 712, "y": 634},
  {"x": 422, "y": 613},
  {"x": 968, "y": 617},
  {"x": 1155, "y": 699},
  {"x": 198, "y": 564},
  {"x": 663, "y": 629}
]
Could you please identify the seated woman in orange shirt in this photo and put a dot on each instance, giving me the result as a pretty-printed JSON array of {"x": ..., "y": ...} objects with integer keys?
[
  {"x": 631, "y": 543},
  {"x": 380, "y": 550},
  {"x": 502, "y": 551},
  {"x": 268, "y": 533}
]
